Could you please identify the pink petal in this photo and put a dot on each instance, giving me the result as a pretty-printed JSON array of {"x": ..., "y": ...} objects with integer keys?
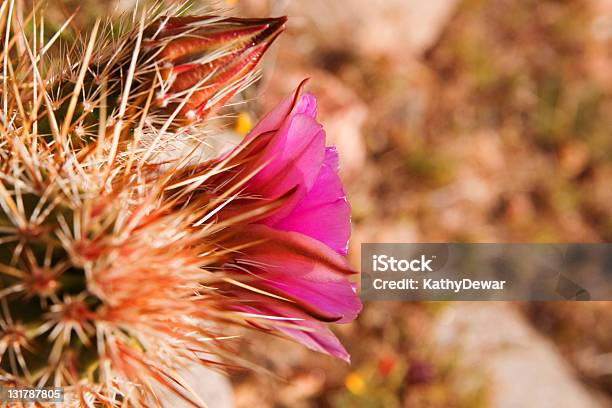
[
  {"x": 307, "y": 105},
  {"x": 301, "y": 269},
  {"x": 324, "y": 213},
  {"x": 275, "y": 118},
  {"x": 299, "y": 326},
  {"x": 316, "y": 291},
  {"x": 321, "y": 339},
  {"x": 292, "y": 158}
]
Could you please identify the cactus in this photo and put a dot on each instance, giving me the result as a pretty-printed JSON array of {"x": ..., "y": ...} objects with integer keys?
[
  {"x": 120, "y": 266},
  {"x": 78, "y": 194}
]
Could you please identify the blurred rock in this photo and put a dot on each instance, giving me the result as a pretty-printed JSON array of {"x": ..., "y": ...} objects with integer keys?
[
  {"x": 389, "y": 28},
  {"x": 523, "y": 369}
]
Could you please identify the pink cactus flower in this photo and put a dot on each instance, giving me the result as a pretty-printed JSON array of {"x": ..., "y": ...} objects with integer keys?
[
  {"x": 296, "y": 157},
  {"x": 299, "y": 258}
]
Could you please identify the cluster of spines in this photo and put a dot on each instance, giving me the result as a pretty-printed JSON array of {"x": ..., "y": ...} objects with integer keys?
[{"x": 91, "y": 222}]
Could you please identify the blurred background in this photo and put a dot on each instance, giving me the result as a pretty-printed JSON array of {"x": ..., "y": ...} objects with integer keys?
[{"x": 463, "y": 121}]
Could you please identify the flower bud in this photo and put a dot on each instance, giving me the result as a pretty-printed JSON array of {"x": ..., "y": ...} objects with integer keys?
[{"x": 206, "y": 60}]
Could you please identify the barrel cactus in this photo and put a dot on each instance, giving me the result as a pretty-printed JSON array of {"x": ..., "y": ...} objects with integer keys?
[{"x": 124, "y": 258}]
